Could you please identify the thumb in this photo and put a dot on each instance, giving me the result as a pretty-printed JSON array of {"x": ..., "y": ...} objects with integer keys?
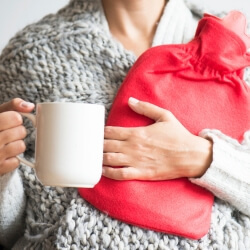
[
  {"x": 149, "y": 110},
  {"x": 17, "y": 104}
]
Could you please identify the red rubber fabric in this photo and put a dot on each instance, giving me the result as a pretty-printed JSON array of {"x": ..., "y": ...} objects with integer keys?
[{"x": 201, "y": 84}]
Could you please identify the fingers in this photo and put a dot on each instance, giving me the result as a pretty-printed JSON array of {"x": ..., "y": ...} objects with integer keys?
[
  {"x": 125, "y": 173},
  {"x": 9, "y": 165},
  {"x": 17, "y": 104},
  {"x": 11, "y": 145},
  {"x": 10, "y": 119},
  {"x": 150, "y": 110},
  {"x": 8, "y": 153},
  {"x": 12, "y": 134},
  {"x": 129, "y": 173},
  {"x": 116, "y": 133},
  {"x": 112, "y": 146},
  {"x": 115, "y": 159},
  {"x": 12, "y": 149}
]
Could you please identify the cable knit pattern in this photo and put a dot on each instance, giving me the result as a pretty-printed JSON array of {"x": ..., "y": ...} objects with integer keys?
[
  {"x": 175, "y": 28},
  {"x": 71, "y": 56}
]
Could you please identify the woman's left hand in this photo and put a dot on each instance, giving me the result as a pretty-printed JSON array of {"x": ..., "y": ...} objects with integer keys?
[{"x": 161, "y": 151}]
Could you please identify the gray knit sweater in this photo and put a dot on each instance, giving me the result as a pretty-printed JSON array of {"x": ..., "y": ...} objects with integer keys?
[{"x": 71, "y": 56}]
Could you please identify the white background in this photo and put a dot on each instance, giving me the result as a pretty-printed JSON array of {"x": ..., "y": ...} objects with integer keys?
[{"x": 16, "y": 14}]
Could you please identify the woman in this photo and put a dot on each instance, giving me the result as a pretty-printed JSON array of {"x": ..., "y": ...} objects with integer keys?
[{"x": 82, "y": 54}]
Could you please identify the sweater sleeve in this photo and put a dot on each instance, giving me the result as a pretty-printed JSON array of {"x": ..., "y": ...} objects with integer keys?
[
  {"x": 12, "y": 206},
  {"x": 228, "y": 177}
]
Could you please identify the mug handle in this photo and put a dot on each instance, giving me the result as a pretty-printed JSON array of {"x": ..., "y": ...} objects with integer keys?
[{"x": 33, "y": 120}]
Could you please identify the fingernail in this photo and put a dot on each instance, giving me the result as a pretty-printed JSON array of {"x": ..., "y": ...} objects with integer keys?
[
  {"x": 27, "y": 104},
  {"x": 133, "y": 100}
]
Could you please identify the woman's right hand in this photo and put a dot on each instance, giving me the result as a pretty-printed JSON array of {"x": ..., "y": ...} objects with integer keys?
[{"x": 12, "y": 133}]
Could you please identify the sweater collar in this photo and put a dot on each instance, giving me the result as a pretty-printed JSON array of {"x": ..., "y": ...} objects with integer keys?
[{"x": 177, "y": 24}]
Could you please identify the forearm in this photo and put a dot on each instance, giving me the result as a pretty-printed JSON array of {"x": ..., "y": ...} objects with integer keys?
[
  {"x": 12, "y": 206},
  {"x": 228, "y": 176}
]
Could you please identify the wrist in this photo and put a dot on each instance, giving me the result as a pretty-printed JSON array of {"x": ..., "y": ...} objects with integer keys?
[{"x": 201, "y": 157}]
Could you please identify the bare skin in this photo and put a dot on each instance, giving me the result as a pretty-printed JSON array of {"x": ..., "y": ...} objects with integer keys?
[
  {"x": 12, "y": 133},
  {"x": 133, "y": 22},
  {"x": 164, "y": 150},
  {"x": 161, "y": 151}
]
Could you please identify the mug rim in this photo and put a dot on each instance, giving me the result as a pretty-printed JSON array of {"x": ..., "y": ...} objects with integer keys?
[{"x": 62, "y": 103}]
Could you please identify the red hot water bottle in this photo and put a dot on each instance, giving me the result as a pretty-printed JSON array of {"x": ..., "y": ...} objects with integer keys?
[{"x": 201, "y": 83}]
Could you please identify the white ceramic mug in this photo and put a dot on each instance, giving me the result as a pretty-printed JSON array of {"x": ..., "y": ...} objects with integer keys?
[{"x": 69, "y": 144}]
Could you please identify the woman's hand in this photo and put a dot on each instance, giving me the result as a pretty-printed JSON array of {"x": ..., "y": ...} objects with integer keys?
[
  {"x": 12, "y": 133},
  {"x": 161, "y": 151}
]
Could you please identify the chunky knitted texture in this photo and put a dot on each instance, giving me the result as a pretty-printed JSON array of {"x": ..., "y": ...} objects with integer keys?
[{"x": 71, "y": 56}]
